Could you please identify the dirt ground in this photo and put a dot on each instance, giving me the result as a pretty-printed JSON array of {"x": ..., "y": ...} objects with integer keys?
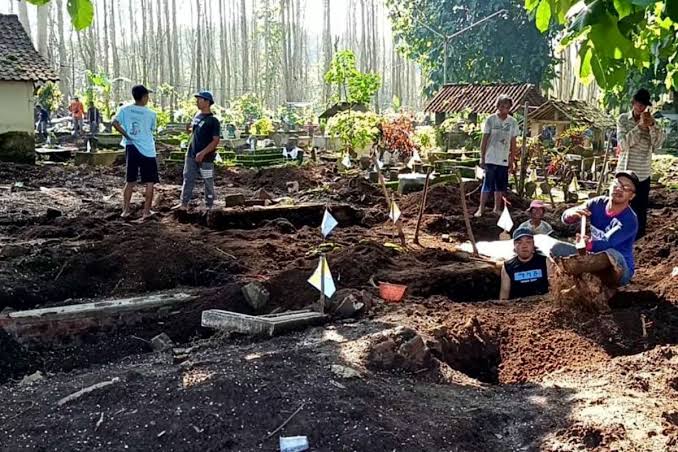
[{"x": 448, "y": 368}]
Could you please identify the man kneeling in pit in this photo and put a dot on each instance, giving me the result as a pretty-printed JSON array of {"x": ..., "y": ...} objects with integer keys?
[
  {"x": 608, "y": 252},
  {"x": 527, "y": 273}
]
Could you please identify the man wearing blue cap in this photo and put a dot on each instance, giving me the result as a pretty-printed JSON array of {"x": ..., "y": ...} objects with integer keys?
[
  {"x": 527, "y": 273},
  {"x": 206, "y": 132}
]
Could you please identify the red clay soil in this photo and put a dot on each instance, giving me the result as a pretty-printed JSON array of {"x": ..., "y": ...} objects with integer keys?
[{"x": 518, "y": 342}]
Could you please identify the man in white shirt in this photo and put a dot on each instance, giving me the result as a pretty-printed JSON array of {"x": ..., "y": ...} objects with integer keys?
[{"x": 497, "y": 153}]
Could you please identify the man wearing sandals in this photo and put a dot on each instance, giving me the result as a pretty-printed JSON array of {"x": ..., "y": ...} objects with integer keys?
[{"x": 137, "y": 123}]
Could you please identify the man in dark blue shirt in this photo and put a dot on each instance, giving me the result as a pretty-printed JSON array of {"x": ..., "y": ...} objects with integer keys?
[{"x": 206, "y": 133}]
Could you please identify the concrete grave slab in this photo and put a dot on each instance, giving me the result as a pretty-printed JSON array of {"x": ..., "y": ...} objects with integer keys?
[{"x": 265, "y": 325}]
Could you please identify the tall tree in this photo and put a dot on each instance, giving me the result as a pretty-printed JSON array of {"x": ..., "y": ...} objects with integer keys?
[
  {"x": 63, "y": 56},
  {"x": 504, "y": 50},
  {"x": 327, "y": 44},
  {"x": 244, "y": 43},
  {"x": 43, "y": 16},
  {"x": 23, "y": 16},
  {"x": 618, "y": 39}
]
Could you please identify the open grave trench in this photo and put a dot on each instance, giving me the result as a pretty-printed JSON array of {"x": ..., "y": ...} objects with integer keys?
[{"x": 70, "y": 260}]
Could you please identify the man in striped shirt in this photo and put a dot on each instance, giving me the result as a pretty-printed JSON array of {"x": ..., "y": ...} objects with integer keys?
[{"x": 639, "y": 136}]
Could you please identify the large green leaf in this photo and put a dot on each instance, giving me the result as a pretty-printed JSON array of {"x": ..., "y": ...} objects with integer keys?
[
  {"x": 82, "y": 13},
  {"x": 623, "y": 7},
  {"x": 609, "y": 41},
  {"x": 585, "y": 54},
  {"x": 599, "y": 72},
  {"x": 543, "y": 15}
]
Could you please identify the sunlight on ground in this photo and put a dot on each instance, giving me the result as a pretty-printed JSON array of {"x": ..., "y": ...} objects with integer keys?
[{"x": 195, "y": 377}]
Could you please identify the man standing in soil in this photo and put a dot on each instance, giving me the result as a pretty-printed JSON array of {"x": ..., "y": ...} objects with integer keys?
[
  {"x": 43, "y": 120},
  {"x": 497, "y": 153},
  {"x": 527, "y": 273},
  {"x": 77, "y": 111},
  {"x": 608, "y": 252},
  {"x": 638, "y": 137},
  {"x": 206, "y": 133},
  {"x": 137, "y": 123},
  {"x": 94, "y": 119}
]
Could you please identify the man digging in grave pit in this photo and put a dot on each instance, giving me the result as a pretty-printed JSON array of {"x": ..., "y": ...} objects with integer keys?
[
  {"x": 608, "y": 252},
  {"x": 136, "y": 123},
  {"x": 527, "y": 273},
  {"x": 206, "y": 133},
  {"x": 497, "y": 153}
]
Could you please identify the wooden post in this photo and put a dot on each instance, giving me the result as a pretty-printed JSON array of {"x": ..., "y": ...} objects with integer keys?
[
  {"x": 423, "y": 206},
  {"x": 467, "y": 218},
  {"x": 398, "y": 225},
  {"x": 523, "y": 156},
  {"x": 546, "y": 179},
  {"x": 603, "y": 171},
  {"x": 321, "y": 308}
]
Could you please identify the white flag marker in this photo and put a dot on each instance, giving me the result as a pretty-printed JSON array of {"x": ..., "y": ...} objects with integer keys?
[
  {"x": 328, "y": 223},
  {"x": 505, "y": 222},
  {"x": 394, "y": 212},
  {"x": 321, "y": 278},
  {"x": 346, "y": 161}
]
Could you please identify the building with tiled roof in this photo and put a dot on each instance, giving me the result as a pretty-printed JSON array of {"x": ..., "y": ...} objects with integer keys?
[{"x": 21, "y": 70}]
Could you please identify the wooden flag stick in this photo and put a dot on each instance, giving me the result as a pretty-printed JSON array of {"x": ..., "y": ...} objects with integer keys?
[
  {"x": 467, "y": 218},
  {"x": 423, "y": 206},
  {"x": 322, "y": 284}
]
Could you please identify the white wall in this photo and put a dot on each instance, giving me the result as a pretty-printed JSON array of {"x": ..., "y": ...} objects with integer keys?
[{"x": 16, "y": 107}]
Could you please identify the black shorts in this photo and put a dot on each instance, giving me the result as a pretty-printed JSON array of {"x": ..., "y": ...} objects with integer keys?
[{"x": 138, "y": 164}]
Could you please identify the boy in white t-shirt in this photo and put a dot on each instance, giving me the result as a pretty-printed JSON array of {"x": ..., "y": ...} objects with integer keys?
[{"x": 497, "y": 153}]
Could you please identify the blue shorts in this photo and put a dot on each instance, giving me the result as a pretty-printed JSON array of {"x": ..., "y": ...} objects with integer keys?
[
  {"x": 563, "y": 249},
  {"x": 496, "y": 178}
]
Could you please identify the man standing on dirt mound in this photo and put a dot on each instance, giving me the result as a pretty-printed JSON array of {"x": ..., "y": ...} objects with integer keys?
[
  {"x": 206, "y": 133},
  {"x": 608, "y": 253},
  {"x": 639, "y": 136},
  {"x": 136, "y": 123},
  {"x": 527, "y": 273},
  {"x": 497, "y": 153}
]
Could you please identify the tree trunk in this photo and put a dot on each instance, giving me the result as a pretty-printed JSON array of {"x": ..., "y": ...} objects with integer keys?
[
  {"x": 245, "y": 52},
  {"x": 197, "y": 57},
  {"x": 63, "y": 56},
  {"x": 327, "y": 47},
  {"x": 23, "y": 16},
  {"x": 176, "y": 61},
  {"x": 169, "y": 37},
  {"x": 113, "y": 44},
  {"x": 43, "y": 27},
  {"x": 223, "y": 42}
]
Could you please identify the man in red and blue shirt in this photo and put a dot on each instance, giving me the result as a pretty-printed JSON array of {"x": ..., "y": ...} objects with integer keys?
[{"x": 613, "y": 225}]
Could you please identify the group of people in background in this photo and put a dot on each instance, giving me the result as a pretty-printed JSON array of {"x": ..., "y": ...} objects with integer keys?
[
  {"x": 616, "y": 221},
  {"x": 77, "y": 113}
]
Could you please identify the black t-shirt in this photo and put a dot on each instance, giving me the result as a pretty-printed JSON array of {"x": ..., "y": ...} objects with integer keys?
[
  {"x": 527, "y": 278},
  {"x": 205, "y": 128}
]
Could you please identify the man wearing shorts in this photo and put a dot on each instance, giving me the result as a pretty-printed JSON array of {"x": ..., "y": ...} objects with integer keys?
[
  {"x": 614, "y": 225},
  {"x": 137, "y": 123},
  {"x": 497, "y": 153}
]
